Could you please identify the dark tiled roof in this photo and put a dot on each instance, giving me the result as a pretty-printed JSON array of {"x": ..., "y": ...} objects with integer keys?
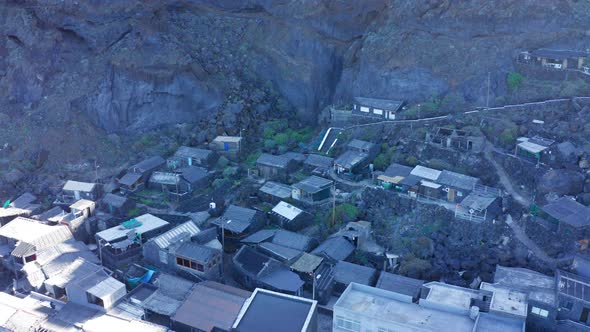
[
  {"x": 193, "y": 174},
  {"x": 211, "y": 305},
  {"x": 260, "y": 236},
  {"x": 317, "y": 160},
  {"x": 251, "y": 260},
  {"x": 457, "y": 180},
  {"x": 273, "y": 160},
  {"x": 397, "y": 170},
  {"x": 148, "y": 164},
  {"x": 293, "y": 240},
  {"x": 313, "y": 184},
  {"x": 569, "y": 211},
  {"x": 558, "y": 54},
  {"x": 384, "y": 104},
  {"x": 294, "y": 156},
  {"x": 191, "y": 152},
  {"x": 399, "y": 284},
  {"x": 283, "y": 279},
  {"x": 130, "y": 178},
  {"x": 205, "y": 236},
  {"x": 276, "y": 189},
  {"x": 345, "y": 273},
  {"x": 196, "y": 252},
  {"x": 282, "y": 253},
  {"x": 350, "y": 159},
  {"x": 241, "y": 218},
  {"x": 335, "y": 247},
  {"x": 410, "y": 180},
  {"x": 114, "y": 200}
]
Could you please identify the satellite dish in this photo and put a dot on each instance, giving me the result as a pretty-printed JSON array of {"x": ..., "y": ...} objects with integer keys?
[
  {"x": 471, "y": 211},
  {"x": 446, "y": 189}
]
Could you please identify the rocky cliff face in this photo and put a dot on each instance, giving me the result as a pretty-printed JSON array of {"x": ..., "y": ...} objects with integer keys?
[{"x": 134, "y": 64}]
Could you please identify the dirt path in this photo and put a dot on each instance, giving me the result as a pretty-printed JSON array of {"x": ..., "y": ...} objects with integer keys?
[{"x": 504, "y": 178}]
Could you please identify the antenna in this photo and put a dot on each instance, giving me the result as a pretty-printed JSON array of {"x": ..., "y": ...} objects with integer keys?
[{"x": 488, "y": 95}]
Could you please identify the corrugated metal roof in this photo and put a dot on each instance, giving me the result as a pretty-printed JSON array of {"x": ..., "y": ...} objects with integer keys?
[
  {"x": 260, "y": 236},
  {"x": 307, "y": 263},
  {"x": 148, "y": 223},
  {"x": 335, "y": 247},
  {"x": 276, "y": 189},
  {"x": 457, "y": 180},
  {"x": 287, "y": 210},
  {"x": 165, "y": 178},
  {"x": 114, "y": 200},
  {"x": 35, "y": 233},
  {"x": 165, "y": 240},
  {"x": 148, "y": 164},
  {"x": 273, "y": 160},
  {"x": 79, "y": 186},
  {"x": 345, "y": 273},
  {"x": 293, "y": 240},
  {"x": 531, "y": 147},
  {"x": 82, "y": 204},
  {"x": 241, "y": 218},
  {"x": 107, "y": 288},
  {"x": 280, "y": 252},
  {"x": 313, "y": 184},
  {"x": 234, "y": 139},
  {"x": 426, "y": 173},
  {"x": 130, "y": 178}
]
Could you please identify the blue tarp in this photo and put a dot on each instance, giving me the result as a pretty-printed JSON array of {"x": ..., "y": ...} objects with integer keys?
[{"x": 143, "y": 279}]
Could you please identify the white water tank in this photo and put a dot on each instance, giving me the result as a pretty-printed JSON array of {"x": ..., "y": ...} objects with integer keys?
[{"x": 473, "y": 312}]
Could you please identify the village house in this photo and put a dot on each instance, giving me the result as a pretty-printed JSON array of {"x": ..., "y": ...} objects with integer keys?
[
  {"x": 359, "y": 233},
  {"x": 138, "y": 175},
  {"x": 237, "y": 223},
  {"x": 401, "y": 285},
  {"x": 318, "y": 274},
  {"x": 385, "y": 109},
  {"x": 440, "y": 307},
  {"x": 122, "y": 244},
  {"x": 282, "y": 245},
  {"x": 276, "y": 167},
  {"x": 551, "y": 303},
  {"x": 179, "y": 185},
  {"x": 160, "y": 299},
  {"x": 290, "y": 217},
  {"x": 87, "y": 284},
  {"x": 456, "y": 186},
  {"x": 77, "y": 219},
  {"x": 557, "y": 59},
  {"x": 317, "y": 164},
  {"x": 253, "y": 269},
  {"x": 313, "y": 189},
  {"x": 266, "y": 310},
  {"x": 335, "y": 247},
  {"x": 187, "y": 156},
  {"x": 346, "y": 273},
  {"x": 567, "y": 216},
  {"x": 22, "y": 238},
  {"x": 180, "y": 251},
  {"x": 479, "y": 207},
  {"x": 274, "y": 192},
  {"x": 210, "y": 307},
  {"x": 536, "y": 149},
  {"x": 229, "y": 146},
  {"x": 24, "y": 206},
  {"x": 116, "y": 205},
  {"x": 456, "y": 139},
  {"x": 392, "y": 177},
  {"x": 73, "y": 191},
  {"x": 357, "y": 158}
]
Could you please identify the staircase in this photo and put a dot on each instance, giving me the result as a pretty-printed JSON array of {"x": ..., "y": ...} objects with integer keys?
[{"x": 329, "y": 140}]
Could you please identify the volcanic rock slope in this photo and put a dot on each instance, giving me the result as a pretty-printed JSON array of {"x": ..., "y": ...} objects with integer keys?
[{"x": 71, "y": 71}]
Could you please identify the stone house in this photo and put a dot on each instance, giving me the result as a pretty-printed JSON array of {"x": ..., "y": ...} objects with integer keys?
[{"x": 385, "y": 109}]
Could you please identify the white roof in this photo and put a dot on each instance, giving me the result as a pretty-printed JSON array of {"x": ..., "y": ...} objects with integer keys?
[
  {"x": 79, "y": 186},
  {"x": 426, "y": 173},
  {"x": 148, "y": 223},
  {"x": 531, "y": 147},
  {"x": 32, "y": 232},
  {"x": 107, "y": 288},
  {"x": 227, "y": 139},
  {"x": 9, "y": 212},
  {"x": 166, "y": 239},
  {"x": 287, "y": 210},
  {"x": 82, "y": 204},
  {"x": 430, "y": 184},
  {"x": 109, "y": 323},
  {"x": 450, "y": 296}
]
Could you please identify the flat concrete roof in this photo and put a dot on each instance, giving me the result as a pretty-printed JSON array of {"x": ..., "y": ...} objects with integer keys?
[
  {"x": 492, "y": 323},
  {"x": 386, "y": 306},
  {"x": 452, "y": 297},
  {"x": 506, "y": 301}
]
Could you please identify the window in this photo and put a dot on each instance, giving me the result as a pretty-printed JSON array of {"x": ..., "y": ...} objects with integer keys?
[
  {"x": 200, "y": 267},
  {"x": 540, "y": 312},
  {"x": 568, "y": 305},
  {"x": 377, "y": 111},
  {"x": 364, "y": 109},
  {"x": 348, "y": 324}
]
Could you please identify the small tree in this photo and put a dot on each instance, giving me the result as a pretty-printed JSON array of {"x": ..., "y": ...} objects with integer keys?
[{"x": 514, "y": 80}]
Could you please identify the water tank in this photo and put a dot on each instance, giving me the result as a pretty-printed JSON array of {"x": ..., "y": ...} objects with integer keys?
[{"x": 473, "y": 312}]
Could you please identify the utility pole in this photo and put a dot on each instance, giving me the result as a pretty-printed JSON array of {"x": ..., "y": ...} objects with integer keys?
[
  {"x": 223, "y": 222},
  {"x": 96, "y": 166},
  {"x": 488, "y": 95},
  {"x": 334, "y": 204}
]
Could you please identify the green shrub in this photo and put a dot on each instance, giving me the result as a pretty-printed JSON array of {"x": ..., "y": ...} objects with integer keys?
[
  {"x": 508, "y": 137},
  {"x": 412, "y": 161},
  {"x": 381, "y": 161},
  {"x": 281, "y": 139},
  {"x": 514, "y": 80},
  {"x": 251, "y": 159},
  {"x": 269, "y": 144}
]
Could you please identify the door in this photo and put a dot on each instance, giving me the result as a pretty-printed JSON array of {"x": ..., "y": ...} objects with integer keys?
[
  {"x": 225, "y": 146},
  {"x": 77, "y": 195},
  {"x": 190, "y": 161},
  {"x": 391, "y": 115},
  {"x": 451, "y": 195},
  {"x": 584, "y": 315}
]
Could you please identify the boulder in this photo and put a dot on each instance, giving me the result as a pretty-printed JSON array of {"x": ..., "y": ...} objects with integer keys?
[{"x": 562, "y": 182}]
